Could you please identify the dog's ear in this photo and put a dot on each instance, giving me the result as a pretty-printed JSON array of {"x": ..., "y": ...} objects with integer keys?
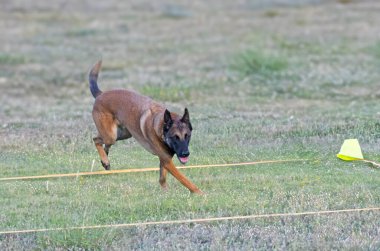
[
  {"x": 168, "y": 121},
  {"x": 167, "y": 117},
  {"x": 186, "y": 119}
]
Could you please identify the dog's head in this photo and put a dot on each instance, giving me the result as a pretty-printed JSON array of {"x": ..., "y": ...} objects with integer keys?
[{"x": 177, "y": 134}]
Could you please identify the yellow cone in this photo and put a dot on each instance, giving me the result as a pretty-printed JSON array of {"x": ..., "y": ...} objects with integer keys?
[{"x": 350, "y": 150}]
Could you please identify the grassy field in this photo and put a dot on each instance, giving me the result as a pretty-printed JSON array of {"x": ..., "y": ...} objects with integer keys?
[{"x": 278, "y": 79}]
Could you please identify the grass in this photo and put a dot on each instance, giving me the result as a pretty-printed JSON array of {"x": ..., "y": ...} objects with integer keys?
[
  {"x": 253, "y": 62},
  {"x": 9, "y": 59},
  {"x": 258, "y": 85},
  {"x": 169, "y": 93},
  {"x": 375, "y": 50},
  {"x": 271, "y": 13},
  {"x": 80, "y": 33}
]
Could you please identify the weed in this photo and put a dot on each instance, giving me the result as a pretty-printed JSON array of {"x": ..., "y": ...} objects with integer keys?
[{"x": 271, "y": 13}]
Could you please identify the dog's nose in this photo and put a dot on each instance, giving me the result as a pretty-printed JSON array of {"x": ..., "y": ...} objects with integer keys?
[{"x": 185, "y": 153}]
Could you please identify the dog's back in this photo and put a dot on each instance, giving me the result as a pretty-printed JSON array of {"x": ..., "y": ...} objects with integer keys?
[
  {"x": 132, "y": 102},
  {"x": 137, "y": 109}
]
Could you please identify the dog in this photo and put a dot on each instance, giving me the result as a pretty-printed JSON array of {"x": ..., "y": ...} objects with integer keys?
[{"x": 121, "y": 114}]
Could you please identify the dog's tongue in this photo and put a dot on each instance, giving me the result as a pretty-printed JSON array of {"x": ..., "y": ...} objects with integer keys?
[{"x": 184, "y": 159}]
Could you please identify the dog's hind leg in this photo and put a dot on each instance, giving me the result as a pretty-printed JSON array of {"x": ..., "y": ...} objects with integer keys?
[
  {"x": 107, "y": 148},
  {"x": 102, "y": 153},
  {"x": 107, "y": 135}
]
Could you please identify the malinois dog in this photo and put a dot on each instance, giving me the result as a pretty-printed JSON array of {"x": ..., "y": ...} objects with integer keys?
[{"x": 122, "y": 114}]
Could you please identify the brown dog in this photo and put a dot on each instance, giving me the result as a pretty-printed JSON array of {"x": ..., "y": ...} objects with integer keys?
[{"x": 121, "y": 114}]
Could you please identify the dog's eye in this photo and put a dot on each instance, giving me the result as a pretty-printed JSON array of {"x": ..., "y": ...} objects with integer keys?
[
  {"x": 176, "y": 137},
  {"x": 186, "y": 136}
]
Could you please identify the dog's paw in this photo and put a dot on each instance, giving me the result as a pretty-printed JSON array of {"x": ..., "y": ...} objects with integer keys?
[
  {"x": 106, "y": 166},
  {"x": 198, "y": 191},
  {"x": 164, "y": 187}
]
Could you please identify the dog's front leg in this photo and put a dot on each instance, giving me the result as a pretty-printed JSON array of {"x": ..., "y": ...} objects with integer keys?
[
  {"x": 163, "y": 173},
  {"x": 169, "y": 165}
]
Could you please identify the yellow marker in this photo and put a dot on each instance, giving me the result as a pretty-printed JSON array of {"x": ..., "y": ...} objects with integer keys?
[{"x": 350, "y": 150}]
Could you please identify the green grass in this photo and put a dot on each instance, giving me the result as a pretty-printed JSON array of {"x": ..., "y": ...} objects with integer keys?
[
  {"x": 271, "y": 13},
  {"x": 258, "y": 85},
  {"x": 375, "y": 50},
  {"x": 253, "y": 62},
  {"x": 169, "y": 93},
  {"x": 12, "y": 59},
  {"x": 81, "y": 33}
]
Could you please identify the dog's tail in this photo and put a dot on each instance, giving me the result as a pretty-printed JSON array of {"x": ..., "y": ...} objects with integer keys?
[{"x": 93, "y": 79}]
